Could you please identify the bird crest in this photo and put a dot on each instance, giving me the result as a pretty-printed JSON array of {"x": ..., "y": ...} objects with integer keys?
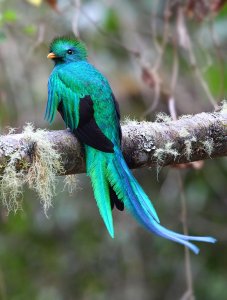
[{"x": 67, "y": 42}]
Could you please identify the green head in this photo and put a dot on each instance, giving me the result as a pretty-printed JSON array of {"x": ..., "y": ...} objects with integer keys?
[{"x": 66, "y": 50}]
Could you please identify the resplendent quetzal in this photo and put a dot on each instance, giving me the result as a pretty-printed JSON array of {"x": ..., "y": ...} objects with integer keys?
[{"x": 87, "y": 105}]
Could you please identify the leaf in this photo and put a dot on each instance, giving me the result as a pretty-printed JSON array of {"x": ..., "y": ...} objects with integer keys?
[
  {"x": 112, "y": 22},
  {"x": 30, "y": 29},
  {"x": 9, "y": 16}
]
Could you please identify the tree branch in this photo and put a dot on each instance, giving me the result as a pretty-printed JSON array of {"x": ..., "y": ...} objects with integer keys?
[{"x": 145, "y": 144}]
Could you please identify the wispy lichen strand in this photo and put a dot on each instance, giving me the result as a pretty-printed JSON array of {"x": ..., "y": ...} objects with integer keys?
[
  {"x": 41, "y": 175},
  {"x": 46, "y": 164},
  {"x": 11, "y": 185}
]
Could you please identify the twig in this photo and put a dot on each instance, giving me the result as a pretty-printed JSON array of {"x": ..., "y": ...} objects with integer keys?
[
  {"x": 219, "y": 55},
  {"x": 172, "y": 109},
  {"x": 185, "y": 42},
  {"x": 190, "y": 291},
  {"x": 75, "y": 21},
  {"x": 39, "y": 40},
  {"x": 109, "y": 37},
  {"x": 160, "y": 48}
]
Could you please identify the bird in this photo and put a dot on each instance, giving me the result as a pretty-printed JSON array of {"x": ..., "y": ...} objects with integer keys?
[{"x": 85, "y": 100}]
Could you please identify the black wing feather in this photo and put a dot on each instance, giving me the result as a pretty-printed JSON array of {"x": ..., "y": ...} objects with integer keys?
[
  {"x": 118, "y": 115},
  {"x": 90, "y": 134},
  {"x": 88, "y": 131}
]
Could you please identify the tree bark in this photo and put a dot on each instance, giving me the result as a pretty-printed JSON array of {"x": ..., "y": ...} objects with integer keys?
[{"x": 144, "y": 144}]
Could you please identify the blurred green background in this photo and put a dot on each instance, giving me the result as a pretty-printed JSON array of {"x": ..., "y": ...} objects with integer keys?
[{"x": 140, "y": 46}]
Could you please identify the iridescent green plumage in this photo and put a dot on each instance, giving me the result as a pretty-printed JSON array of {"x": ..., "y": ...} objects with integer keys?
[
  {"x": 86, "y": 102},
  {"x": 60, "y": 44}
]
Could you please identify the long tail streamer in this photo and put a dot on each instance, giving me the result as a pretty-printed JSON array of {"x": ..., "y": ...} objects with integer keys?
[{"x": 112, "y": 169}]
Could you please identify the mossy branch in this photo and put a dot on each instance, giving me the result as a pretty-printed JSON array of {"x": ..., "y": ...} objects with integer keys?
[
  {"x": 36, "y": 157},
  {"x": 145, "y": 144}
]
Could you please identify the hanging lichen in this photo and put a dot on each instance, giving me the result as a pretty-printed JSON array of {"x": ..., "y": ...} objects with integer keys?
[{"x": 40, "y": 175}]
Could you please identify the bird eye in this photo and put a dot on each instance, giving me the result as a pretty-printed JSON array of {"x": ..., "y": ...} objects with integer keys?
[{"x": 70, "y": 51}]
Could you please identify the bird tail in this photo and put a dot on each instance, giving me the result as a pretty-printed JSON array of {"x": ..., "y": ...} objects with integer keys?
[
  {"x": 111, "y": 169},
  {"x": 96, "y": 165}
]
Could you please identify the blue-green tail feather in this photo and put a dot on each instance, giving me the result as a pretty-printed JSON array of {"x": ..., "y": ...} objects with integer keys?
[
  {"x": 111, "y": 169},
  {"x": 137, "y": 202},
  {"x": 96, "y": 170}
]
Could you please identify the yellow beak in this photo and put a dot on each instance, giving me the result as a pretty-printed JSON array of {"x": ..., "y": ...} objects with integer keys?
[{"x": 51, "y": 55}]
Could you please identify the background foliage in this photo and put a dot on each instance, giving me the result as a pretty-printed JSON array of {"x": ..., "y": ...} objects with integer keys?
[{"x": 158, "y": 56}]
